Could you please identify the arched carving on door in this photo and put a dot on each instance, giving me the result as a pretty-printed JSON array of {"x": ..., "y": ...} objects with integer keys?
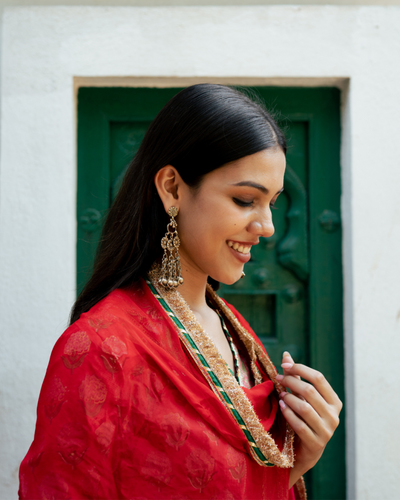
[{"x": 292, "y": 250}]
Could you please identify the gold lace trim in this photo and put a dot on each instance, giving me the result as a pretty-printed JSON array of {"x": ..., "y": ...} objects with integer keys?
[{"x": 301, "y": 488}]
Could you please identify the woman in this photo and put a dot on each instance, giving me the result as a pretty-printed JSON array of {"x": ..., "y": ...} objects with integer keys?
[{"x": 159, "y": 389}]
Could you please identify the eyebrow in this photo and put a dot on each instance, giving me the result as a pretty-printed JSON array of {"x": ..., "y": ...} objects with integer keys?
[{"x": 255, "y": 185}]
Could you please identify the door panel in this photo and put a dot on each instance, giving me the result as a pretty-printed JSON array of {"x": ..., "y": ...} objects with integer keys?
[
  {"x": 125, "y": 139},
  {"x": 292, "y": 292}
]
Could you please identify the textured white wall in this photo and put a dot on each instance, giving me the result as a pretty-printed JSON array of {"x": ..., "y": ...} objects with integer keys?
[{"x": 43, "y": 49}]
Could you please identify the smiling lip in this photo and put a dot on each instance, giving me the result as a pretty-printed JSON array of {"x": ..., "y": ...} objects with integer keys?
[{"x": 242, "y": 257}]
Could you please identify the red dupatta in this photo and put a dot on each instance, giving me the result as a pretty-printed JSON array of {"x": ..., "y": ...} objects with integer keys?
[{"x": 129, "y": 409}]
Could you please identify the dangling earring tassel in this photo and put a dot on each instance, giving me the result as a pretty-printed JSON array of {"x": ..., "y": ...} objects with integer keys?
[{"x": 171, "y": 264}]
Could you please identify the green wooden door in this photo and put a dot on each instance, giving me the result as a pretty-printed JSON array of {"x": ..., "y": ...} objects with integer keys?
[{"x": 292, "y": 292}]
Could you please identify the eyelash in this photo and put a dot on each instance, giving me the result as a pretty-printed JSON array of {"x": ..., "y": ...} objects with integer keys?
[{"x": 242, "y": 203}]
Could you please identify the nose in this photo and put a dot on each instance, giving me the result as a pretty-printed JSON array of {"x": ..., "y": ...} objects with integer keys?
[{"x": 262, "y": 226}]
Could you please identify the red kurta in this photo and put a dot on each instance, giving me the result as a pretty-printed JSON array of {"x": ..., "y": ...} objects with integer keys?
[{"x": 124, "y": 412}]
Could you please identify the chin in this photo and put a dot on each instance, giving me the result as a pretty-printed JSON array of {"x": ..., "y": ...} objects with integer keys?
[{"x": 227, "y": 280}]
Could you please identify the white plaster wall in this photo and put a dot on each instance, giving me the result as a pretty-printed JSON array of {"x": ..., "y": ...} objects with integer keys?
[{"x": 43, "y": 49}]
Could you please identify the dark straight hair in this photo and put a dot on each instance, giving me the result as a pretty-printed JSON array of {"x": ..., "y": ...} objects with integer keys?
[{"x": 200, "y": 129}]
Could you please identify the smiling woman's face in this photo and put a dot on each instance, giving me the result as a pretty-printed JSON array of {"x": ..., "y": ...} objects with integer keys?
[{"x": 219, "y": 222}]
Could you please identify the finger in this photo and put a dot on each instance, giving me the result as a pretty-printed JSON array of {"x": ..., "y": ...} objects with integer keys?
[
  {"x": 306, "y": 391},
  {"x": 317, "y": 380},
  {"x": 305, "y": 411},
  {"x": 323, "y": 428},
  {"x": 328, "y": 413},
  {"x": 287, "y": 363},
  {"x": 287, "y": 358},
  {"x": 299, "y": 426}
]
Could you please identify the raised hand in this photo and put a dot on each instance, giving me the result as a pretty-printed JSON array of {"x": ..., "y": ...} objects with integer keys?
[{"x": 312, "y": 409}]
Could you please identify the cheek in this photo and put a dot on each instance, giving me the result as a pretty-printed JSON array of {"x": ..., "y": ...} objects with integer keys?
[
  {"x": 192, "y": 225},
  {"x": 202, "y": 225}
]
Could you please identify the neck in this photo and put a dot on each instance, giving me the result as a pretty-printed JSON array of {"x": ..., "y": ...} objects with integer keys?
[{"x": 193, "y": 289}]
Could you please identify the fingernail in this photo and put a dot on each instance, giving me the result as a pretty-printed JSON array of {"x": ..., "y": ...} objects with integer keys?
[
  {"x": 283, "y": 394},
  {"x": 279, "y": 377},
  {"x": 282, "y": 404},
  {"x": 286, "y": 353},
  {"x": 286, "y": 366}
]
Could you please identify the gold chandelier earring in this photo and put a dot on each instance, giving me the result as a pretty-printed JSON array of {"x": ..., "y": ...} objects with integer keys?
[{"x": 171, "y": 264}]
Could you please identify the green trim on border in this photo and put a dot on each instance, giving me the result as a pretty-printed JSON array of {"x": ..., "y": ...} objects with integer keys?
[{"x": 212, "y": 375}]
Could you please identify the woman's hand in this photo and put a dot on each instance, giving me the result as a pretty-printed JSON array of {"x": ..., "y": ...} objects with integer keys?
[{"x": 312, "y": 410}]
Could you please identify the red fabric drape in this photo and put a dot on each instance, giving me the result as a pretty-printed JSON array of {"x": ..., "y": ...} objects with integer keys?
[{"x": 124, "y": 413}]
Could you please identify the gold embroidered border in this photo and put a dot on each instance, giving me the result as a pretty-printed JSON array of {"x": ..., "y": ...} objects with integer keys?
[
  {"x": 254, "y": 349},
  {"x": 301, "y": 488},
  {"x": 215, "y": 389},
  {"x": 263, "y": 439}
]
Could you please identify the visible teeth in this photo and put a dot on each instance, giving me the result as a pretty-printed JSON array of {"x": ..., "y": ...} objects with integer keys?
[{"x": 238, "y": 247}]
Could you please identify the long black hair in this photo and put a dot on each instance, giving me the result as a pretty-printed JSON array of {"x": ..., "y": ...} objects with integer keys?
[{"x": 200, "y": 129}]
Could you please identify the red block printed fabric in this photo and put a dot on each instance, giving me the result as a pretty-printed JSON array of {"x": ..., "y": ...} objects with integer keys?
[{"x": 125, "y": 412}]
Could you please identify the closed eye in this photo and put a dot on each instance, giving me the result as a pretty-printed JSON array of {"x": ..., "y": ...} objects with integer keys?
[{"x": 243, "y": 203}]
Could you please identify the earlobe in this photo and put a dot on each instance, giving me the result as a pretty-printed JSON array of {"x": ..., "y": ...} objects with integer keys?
[{"x": 167, "y": 181}]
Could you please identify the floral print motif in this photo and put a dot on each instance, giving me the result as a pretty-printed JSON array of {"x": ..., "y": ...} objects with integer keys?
[
  {"x": 92, "y": 392},
  {"x": 157, "y": 384},
  {"x": 157, "y": 468},
  {"x": 35, "y": 461},
  {"x": 94, "y": 478},
  {"x": 75, "y": 350},
  {"x": 236, "y": 464},
  {"x": 99, "y": 324},
  {"x": 51, "y": 488},
  {"x": 104, "y": 435},
  {"x": 72, "y": 443},
  {"x": 115, "y": 353},
  {"x": 175, "y": 429},
  {"x": 200, "y": 468},
  {"x": 55, "y": 398}
]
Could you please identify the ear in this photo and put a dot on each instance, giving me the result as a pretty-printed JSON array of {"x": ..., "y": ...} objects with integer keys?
[{"x": 168, "y": 183}]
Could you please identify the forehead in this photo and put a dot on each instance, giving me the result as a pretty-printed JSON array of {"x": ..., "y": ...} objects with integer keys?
[{"x": 265, "y": 167}]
